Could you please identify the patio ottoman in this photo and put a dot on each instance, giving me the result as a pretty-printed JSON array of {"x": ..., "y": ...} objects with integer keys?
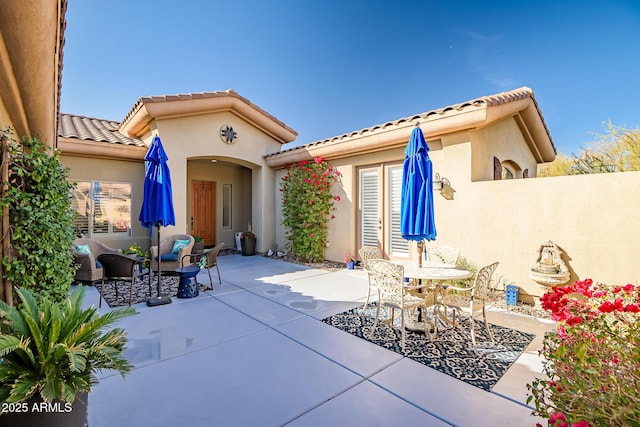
[{"x": 188, "y": 285}]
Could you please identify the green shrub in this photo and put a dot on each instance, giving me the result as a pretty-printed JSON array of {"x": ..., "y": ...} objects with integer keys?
[
  {"x": 306, "y": 204},
  {"x": 41, "y": 220}
]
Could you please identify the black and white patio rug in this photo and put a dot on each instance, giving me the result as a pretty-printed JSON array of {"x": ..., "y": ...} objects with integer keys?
[
  {"x": 451, "y": 353},
  {"x": 168, "y": 286}
]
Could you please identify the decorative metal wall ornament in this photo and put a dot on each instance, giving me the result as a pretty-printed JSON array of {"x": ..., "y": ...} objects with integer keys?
[{"x": 227, "y": 134}]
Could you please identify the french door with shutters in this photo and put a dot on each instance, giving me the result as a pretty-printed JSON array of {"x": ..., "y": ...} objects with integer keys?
[
  {"x": 203, "y": 207},
  {"x": 379, "y": 192}
]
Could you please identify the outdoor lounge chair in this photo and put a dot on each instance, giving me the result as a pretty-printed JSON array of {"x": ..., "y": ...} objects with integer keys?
[
  {"x": 169, "y": 253},
  {"x": 211, "y": 256},
  {"x": 473, "y": 302},
  {"x": 120, "y": 268},
  {"x": 85, "y": 253}
]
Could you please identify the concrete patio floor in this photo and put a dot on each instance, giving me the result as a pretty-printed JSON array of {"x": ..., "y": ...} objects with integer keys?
[{"x": 253, "y": 352}]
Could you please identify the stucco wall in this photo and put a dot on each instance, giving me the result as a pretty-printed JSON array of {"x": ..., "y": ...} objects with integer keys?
[
  {"x": 503, "y": 140},
  {"x": 595, "y": 219},
  {"x": 5, "y": 120},
  {"x": 199, "y": 137}
]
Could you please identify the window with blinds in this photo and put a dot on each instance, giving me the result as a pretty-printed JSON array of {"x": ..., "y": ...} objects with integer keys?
[
  {"x": 369, "y": 202},
  {"x": 102, "y": 208},
  {"x": 226, "y": 206},
  {"x": 397, "y": 245}
]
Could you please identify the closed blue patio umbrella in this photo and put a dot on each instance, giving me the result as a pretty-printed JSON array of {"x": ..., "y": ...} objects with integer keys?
[
  {"x": 157, "y": 203},
  {"x": 416, "y": 208}
]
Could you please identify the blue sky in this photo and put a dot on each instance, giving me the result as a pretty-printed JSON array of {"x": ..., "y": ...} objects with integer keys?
[{"x": 330, "y": 67}]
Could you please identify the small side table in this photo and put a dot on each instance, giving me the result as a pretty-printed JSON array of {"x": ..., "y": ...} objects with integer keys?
[{"x": 188, "y": 286}]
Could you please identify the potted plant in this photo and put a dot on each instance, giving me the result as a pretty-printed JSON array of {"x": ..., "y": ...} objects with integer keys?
[
  {"x": 248, "y": 242},
  {"x": 350, "y": 260},
  {"x": 49, "y": 353},
  {"x": 136, "y": 250}
]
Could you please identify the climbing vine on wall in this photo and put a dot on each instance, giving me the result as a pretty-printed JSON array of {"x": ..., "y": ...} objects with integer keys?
[
  {"x": 41, "y": 219},
  {"x": 307, "y": 204}
]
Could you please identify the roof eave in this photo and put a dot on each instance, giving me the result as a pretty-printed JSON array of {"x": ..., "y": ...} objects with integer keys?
[
  {"x": 101, "y": 150},
  {"x": 31, "y": 42},
  {"x": 138, "y": 122},
  {"x": 466, "y": 116},
  {"x": 380, "y": 138}
]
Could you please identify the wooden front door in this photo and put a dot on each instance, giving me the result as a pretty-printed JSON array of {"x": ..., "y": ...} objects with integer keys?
[{"x": 203, "y": 211}]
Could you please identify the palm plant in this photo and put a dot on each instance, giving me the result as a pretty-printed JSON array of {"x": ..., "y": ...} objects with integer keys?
[{"x": 54, "y": 349}]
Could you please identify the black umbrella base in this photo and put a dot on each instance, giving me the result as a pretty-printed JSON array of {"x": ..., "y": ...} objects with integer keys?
[{"x": 161, "y": 300}]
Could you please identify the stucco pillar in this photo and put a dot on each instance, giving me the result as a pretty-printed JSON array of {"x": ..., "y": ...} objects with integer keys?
[{"x": 263, "y": 207}]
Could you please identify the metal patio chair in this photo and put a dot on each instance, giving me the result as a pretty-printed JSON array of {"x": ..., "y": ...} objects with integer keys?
[{"x": 471, "y": 300}]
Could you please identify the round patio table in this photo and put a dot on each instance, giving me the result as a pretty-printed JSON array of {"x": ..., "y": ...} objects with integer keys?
[
  {"x": 188, "y": 286},
  {"x": 432, "y": 279}
]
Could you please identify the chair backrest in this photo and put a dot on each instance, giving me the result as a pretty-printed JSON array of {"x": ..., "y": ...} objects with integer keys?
[
  {"x": 389, "y": 277},
  {"x": 97, "y": 248},
  {"x": 166, "y": 245},
  {"x": 212, "y": 255},
  {"x": 369, "y": 252},
  {"x": 116, "y": 265},
  {"x": 443, "y": 254},
  {"x": 481, "y": 282}
]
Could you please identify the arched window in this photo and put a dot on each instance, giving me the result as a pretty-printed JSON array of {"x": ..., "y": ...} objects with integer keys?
[
  {"x": 507, "y": 173},
  {"x": 506, "y": 169}
]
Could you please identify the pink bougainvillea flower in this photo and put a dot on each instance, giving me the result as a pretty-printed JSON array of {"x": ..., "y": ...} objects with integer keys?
[
  {"x": 556, "y": 416},
  {"x": 318, "y": 160}
]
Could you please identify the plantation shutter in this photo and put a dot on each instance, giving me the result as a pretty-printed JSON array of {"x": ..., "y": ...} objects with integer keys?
[
  {"x": 118, "y": 206},
  {"x": 369, "y": 202},
  {"x": 397, "y": 245},
  {"x": 226, "y": 206},
  {"x": 81, "y": 203}
]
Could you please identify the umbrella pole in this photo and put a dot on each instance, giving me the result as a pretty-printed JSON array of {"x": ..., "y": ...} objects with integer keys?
[
  {"x": 159, "y": 299},
  {"x": 159, "y": 260}
]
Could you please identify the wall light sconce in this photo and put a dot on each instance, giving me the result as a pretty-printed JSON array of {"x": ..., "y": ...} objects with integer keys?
[
  {"x": 439, "y": 183},
  {"x": 443, "y": 185}
]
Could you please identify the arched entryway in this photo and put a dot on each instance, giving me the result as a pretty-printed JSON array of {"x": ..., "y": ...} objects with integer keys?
[{"x": 219, "y": 193}]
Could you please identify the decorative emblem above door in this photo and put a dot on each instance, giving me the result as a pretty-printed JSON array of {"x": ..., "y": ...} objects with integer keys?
[{"x": 227, "y": 134}]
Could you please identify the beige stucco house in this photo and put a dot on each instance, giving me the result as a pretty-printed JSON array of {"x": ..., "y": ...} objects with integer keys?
[{"x": 226, "y": 159}]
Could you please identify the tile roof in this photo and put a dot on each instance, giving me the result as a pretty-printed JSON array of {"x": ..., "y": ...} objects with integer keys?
[
  {"x": 201, "y": 95},
  {"x": 90, "y": 129},
  {"x": 487, "y": 101}
]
